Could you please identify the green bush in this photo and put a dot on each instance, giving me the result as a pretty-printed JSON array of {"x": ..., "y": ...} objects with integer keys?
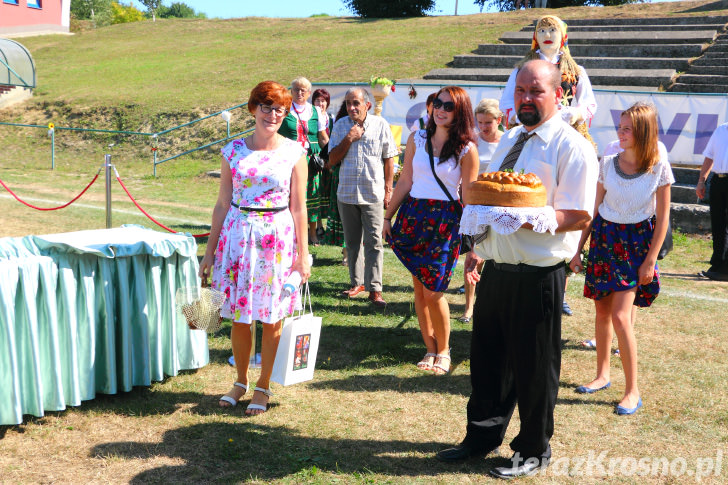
[{"x": 390, "y": 8}]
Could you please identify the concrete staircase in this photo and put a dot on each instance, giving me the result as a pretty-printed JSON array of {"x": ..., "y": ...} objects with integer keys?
[
  {"x": 708, "y": 73},
  {"x": 687, "y": 213},
  {"x": 644, "y": 54},
  {"x": 681, "y": 54}
]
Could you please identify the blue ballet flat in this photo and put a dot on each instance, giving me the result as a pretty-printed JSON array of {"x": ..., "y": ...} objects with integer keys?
[
  {"x": 589, "y": 390},
  {"x": 622, "y": 411}
]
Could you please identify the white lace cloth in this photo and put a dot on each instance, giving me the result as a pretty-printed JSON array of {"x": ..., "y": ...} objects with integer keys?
[{"x": 477, "y": 219}]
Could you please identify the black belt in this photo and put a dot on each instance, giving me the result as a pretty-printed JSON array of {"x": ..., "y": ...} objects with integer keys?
[
  {"x": 720, "y": 175},
  {"x": 258, "y": 209},
  {"x": 522, "y": 268}
]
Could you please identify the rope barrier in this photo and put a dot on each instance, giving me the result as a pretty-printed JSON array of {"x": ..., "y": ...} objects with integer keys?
[
  {"x": 51, "y": 208},
  {"x": 146, "y": 213}
]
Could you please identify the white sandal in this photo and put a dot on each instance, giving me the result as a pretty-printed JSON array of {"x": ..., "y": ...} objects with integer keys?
[
  {"x": 259, "y": 407},
  {"x": 427, "y": 362},
  {"x": 229, "y": 399},
  {"x": 439, "y": 368}
]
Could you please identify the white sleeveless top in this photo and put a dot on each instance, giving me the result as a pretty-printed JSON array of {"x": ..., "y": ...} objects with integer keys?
[{"x": 424, "y": 185}]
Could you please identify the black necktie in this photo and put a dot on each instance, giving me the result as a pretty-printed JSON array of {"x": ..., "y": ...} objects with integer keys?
[{"x": 512, "y": 157}]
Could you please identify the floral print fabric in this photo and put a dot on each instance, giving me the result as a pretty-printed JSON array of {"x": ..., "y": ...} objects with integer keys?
[
  {"x": 256, "y": 250},
  {"x": 616, "y": 252},
  {"x": 425, "y": 237}
]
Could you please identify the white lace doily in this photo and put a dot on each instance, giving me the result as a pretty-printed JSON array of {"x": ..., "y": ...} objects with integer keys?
[{"x": 506, "y": 220}]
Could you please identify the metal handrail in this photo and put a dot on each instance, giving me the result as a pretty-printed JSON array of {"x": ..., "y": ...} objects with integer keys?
[{"x": 52, "y": 129}]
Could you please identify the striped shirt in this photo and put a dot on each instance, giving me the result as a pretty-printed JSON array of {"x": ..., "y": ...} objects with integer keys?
[{"x": 361, "y": 176}]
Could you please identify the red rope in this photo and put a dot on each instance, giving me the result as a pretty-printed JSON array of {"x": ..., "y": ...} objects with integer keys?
[
  {"x": 51, "y": 208},
  {"x": 147, "y": 214}
]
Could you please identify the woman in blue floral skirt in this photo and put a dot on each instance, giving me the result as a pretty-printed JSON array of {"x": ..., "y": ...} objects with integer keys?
[
  {"x": 426, "y": 234},
  {"x": 630, "y": 222}
]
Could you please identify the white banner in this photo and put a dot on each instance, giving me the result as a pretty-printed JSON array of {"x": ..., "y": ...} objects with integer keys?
[{"x": 686, "y": 120}]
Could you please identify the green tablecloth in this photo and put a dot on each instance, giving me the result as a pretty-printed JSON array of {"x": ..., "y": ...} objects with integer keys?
[{"x": 92, "y": 311}]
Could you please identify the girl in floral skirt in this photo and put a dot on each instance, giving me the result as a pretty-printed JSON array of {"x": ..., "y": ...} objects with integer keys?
[
  {"x": 426, "y": 233},
  {"x": 630, "y": 221}
]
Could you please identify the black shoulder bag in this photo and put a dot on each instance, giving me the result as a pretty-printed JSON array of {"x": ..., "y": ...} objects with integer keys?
[{"x": 466, "y": 241}]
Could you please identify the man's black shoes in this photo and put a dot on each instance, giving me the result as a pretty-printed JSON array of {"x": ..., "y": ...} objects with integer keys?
[
  {"x": 460, "y": 452},
  {"x": 530, "y": 466}
]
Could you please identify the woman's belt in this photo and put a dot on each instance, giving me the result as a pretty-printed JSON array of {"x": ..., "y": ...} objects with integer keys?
[{"x": 258, "y": 209}]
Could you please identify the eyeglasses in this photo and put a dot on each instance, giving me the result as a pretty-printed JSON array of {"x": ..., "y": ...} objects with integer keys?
[
  {"x": 448, "y": 106},
  {"x": 266, "y": 109}
]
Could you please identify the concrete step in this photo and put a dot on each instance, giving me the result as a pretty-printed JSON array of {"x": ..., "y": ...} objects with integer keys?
[
  {"x": 602, "y": 50},
  {"x": 609, "y": 77},
  {"x": 710, "y": 61},
  {"x": 685, "y": 175},
  {"x": 610, "y": 38},
  {"x": 679, "y": 64},
  {"x": 690, "y": 218},
  {"x": 715, "y": 55},
  {"x": 709, "y": 70},
  {"x": 715, "y": 79},
  {"x": 637, "y": 28},
  {"x": 683, "y": 194},
  {"x": 698, "y": 19},
  {"x": 697, "y": 88}
]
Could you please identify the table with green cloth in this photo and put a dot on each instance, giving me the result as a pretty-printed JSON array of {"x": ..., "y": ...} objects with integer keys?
[{"x": 92, "y": 312}]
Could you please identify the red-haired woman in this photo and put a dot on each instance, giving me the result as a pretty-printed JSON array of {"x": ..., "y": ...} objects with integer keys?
[
  {"x": 425, "y": 235},
  {"x": 258, "y": 237},
  {"x": 631, "y": 212}
]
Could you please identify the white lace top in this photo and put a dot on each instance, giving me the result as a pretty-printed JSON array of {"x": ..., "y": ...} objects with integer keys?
[
  {"x": 424, "y": 185},
  {"x": 631, "y": 198}
]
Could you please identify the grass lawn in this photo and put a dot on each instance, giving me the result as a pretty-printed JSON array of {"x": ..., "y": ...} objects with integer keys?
[{"x": 369, "y": 416}]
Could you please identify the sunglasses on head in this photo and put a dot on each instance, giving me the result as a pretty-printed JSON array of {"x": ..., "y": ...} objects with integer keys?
[{"x": 448, "y": 106}]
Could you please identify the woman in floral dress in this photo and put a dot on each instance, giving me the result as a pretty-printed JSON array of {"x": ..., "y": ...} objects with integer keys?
[
  {"x": 258, "y": 237},
  {"x": 425, "y": 235},
  {"x": 631, "y": 212}
]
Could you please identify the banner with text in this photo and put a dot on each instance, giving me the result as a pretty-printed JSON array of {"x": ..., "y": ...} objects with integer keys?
[{"x": 686, "y": 121}]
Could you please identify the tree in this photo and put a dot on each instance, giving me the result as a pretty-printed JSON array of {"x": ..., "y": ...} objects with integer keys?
[
  {"x": 505, "y": 5},
  {"x": 98, "y": 11},
  {"x": 121, "y": 14},
  {"x": 179, "y": 10},
  {"x": 390, "y": 8},
  {"x": 152, "y": 7}
]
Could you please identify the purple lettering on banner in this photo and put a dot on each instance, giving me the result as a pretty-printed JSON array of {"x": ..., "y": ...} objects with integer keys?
[
  {"x": 705, "y": 128},
  {"x": 616, "y": 115},
  {"x": 673, "y": 133}
]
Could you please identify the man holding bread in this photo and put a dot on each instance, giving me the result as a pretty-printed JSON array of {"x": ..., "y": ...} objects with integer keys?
[{"x": 516, "y": 340}]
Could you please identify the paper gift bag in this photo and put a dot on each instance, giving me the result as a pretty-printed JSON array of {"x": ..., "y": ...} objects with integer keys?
[{"x": 298, "y": 346}]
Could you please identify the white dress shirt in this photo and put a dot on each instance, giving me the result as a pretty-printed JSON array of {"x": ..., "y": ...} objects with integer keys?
[
  {"x": 717, "y": 149},
  {"x": 567, "y": 165}
]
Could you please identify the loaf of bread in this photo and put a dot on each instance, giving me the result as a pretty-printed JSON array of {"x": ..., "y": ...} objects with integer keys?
[{"x": 508, "y": 189}]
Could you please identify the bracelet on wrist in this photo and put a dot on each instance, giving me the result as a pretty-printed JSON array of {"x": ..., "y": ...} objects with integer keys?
[{"x": 388, "y": 219}]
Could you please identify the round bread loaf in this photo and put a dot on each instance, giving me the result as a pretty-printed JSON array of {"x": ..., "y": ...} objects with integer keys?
[{"x": 508, "y": 189}]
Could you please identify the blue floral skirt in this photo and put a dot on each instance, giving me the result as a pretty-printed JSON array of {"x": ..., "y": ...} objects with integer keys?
[
  {"x": 616, "y": 252},
  {"x": 426, "y": 238}
]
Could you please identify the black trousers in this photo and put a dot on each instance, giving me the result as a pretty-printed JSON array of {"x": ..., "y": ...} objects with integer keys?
[
  {"x": 515, "y": 357},
  {"x": 719, "y": 223}
]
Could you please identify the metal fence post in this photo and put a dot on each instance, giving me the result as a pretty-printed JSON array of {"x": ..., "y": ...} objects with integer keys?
[{"x": 107, "y": 171}]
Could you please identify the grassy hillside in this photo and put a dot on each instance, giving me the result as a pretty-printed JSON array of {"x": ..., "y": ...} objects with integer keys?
[{"x": 180, "y": 65}]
